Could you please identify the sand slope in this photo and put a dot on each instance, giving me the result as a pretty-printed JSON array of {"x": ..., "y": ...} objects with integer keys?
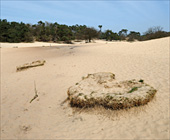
[{"x": 47, "y": 118}]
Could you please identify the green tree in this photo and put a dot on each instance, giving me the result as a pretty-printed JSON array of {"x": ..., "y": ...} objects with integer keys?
[
  {"x": 100, "y": 26},
  {"x": 90, "y": 33},
  {"x": 123, "y": 34},
  {"x": 64, "y": 33},
  {"x": 78, "y": 31},
  {"x": 14, "y": 32},
  {"x": 4, "y": 26},
  {"x": 133, "y": 35},
  {"x": 100, "y": 32},
  {"x": 109, "y": 35}
]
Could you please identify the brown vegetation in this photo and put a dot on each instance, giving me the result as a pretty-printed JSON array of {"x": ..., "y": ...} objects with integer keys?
[{"x": 102, "y": 89}]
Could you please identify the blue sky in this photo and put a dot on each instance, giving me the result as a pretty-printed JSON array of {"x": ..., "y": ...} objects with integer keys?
[{"x": 112, "y": 14}]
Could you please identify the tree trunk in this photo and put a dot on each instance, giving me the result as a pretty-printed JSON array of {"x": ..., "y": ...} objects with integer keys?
[{"x": 89, "y": 39}]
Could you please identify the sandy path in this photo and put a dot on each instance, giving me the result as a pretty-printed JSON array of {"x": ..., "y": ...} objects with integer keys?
[{"x": 46, "y": 118}]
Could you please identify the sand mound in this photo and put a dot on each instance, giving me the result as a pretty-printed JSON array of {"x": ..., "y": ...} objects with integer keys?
[
  {"x": 29, "y": 65},
  {"x": 102, "y": 89}
]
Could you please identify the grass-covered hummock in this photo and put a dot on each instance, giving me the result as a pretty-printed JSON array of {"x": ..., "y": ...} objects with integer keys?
[{"x": 102, "y": 89}]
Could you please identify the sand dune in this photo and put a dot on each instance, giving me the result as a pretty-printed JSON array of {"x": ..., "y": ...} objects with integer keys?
[{"x": 47, "y": 118}]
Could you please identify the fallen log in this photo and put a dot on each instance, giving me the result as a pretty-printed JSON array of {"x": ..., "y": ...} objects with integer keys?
[{"x": 30, "y": 65}]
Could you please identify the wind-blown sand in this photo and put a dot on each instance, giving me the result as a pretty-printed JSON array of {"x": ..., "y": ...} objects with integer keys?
[{"x": 47, "y": 117}]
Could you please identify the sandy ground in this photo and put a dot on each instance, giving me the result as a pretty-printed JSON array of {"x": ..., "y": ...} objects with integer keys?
[
  {"x": 23, "y": 45},
  {"x": 47, "y": 118},
  {"x": 38, "y": 44}
]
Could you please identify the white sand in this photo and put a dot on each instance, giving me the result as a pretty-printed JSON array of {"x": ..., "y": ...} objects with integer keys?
[
  {"x": 35, "y": 44},
  {"x": 46, "y": 118}
]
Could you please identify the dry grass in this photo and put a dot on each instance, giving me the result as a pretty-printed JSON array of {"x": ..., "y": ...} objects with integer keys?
[
  {"x": 135, "y": 93},
  {"x": 112, "y": 104},
  {"x": 104, "y": 112}
]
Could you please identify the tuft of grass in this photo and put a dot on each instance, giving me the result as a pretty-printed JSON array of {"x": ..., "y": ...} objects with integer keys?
[
  {"x": 141, "y": 80},
  {"x": 89, "y": 75},
  {"x": 109, "y": 97},
  {"x": 77, "y": 83},
  {"x": 83, "y": 78},
  {"x": 133, "y": 89},
  {"x": 92, "y": 92},
  {"x": 85, "y": 97},
  {"x": 80, "y": 94}
]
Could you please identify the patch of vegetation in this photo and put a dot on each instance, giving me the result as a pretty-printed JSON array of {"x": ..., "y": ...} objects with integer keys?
[
  {"x": 15, "y": 32},
  {"x": 154, "y": 33},
  {"x": 85, "y": 97},
  {"x": 141, "y": 80},
  {"x": 92, "y": 92},
  {"x": 133, "y": 35},
  {"x": 109, "y": 35},
  {"x": 114, "y": 100},
  {"x": 80, "y": 94},
  {"x": 83, "y": 78},
  {"x": 55, "y": 32},
  {"x": 133, "y": 89},
  {"x": 130, "y": 81},
  {"x": 109, "y": 97}
]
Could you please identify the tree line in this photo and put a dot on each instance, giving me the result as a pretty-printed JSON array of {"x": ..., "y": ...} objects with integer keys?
[
  {"x": 151, "y": 33},
  {"x": 54, "y": 32}
]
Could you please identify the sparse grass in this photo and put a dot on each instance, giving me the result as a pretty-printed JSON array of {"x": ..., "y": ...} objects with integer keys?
[
  {"x": 108, "y": 97},
  {"x": 111, "y": 102},
  {"x": 85, "y": 97},
  {"x": 80, "y": 94},
  {"x": 133, "y": 89},
  {"x": 141, "y": 80},
  {"x": 83, "y": 78},
  {"x": 92, "y": 92},
  {"x": 118, "y": 100}
]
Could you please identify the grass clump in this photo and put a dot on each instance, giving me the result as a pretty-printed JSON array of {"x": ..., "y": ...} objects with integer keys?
[
  {"x": 92, "y": 92},
  {"x": 141, "y": 80},
  {"x": 80, "y": 94},
  {"x": 133, "y": 89},
  {"x": 89, "y": 93},
  {"x": 85, "y": 97}
]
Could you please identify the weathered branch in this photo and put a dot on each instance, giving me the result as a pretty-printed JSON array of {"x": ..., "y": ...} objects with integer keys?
[{"x": 36, "y": 95}]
